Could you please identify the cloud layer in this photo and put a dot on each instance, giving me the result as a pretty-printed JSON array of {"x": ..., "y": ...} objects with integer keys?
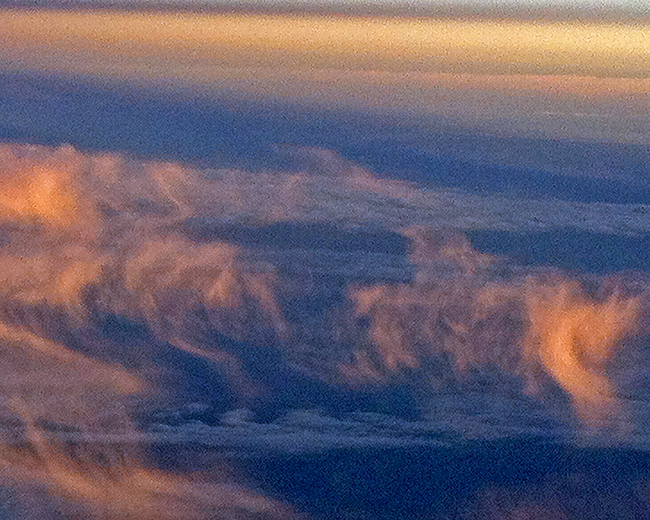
[{"x": 132, "y": 286}]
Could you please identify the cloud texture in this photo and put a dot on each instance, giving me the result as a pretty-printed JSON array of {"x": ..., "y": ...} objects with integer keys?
[{"x": 110, "y": 267}]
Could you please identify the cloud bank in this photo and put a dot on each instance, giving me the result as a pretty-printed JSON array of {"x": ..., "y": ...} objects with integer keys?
[{"x": 120, "y": 292}]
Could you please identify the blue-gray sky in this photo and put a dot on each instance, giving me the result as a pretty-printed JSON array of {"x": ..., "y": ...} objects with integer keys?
[{"x": 625, "y": 4}]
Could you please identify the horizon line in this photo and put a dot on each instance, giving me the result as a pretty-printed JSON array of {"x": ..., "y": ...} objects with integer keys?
[{"x": 340, "y": 8}]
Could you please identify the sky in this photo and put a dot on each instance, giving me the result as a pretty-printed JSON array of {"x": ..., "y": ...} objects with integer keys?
[
  {"x": 567, "y": 79},
  {"x": 588, "y": 6},
  {"x": 625, "y": 4}
]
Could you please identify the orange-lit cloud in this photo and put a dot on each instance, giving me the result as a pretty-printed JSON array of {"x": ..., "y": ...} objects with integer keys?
[
  {"x": 170, "y": 276},
  {"x": 68, "y": 428},
  {"x": 537, "y": 329},
  {"x": 45, "y": 191},
  {"x": 575, "y": 337},
  {"x": 82, "y": 446},
  {"x": 87, "y": 236},
  {"x": 127, "y": 252}
]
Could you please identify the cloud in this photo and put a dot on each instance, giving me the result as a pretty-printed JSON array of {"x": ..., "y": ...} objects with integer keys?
[
  {"x": 575, "y": 338},
  {"x": 171, "y": 277},
  {"x": 535, "y": 328},
  {"x": 72, "y": 228},
  {"x": 41, "y": 188},
  {"x": 56, "y": 276},
  {"x": 73, "y": 413},
  {"x": 219, "y": 41},
  {"x": 90, "y": 238}
]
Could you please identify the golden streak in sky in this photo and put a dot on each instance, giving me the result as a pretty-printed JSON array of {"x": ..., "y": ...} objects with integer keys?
[
  {"x": 321, "y": 42},
  {"x": 560, "y": 79}
]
